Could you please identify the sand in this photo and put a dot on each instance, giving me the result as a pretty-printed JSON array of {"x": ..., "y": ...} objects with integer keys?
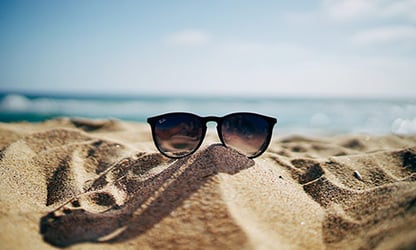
[{"x": 83, "y": 184}]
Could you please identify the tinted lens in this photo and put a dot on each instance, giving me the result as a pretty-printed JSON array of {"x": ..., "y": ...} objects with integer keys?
[
  {"x": 247, "y": 133},
  {"x": 178, "y": 135}
]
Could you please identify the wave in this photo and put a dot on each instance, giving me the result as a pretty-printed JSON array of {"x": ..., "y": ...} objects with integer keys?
[
  {"x": 307, "y": 116},
  {"x": 404, "y": 126},
  {"x": 119, "y": 107},
  {"x": 14, "y": 103}
]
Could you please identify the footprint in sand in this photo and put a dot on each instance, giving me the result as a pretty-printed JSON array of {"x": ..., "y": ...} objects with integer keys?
[{"x": 357, "y": 208}]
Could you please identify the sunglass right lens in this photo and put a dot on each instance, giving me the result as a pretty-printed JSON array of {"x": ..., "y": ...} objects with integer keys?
[
  {"x": 178, "y": 135},
  {"x": 247, "y": 133}
]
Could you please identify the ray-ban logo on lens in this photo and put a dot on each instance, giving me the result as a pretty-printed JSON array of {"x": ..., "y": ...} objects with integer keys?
[{"x": 162, "y": 120}]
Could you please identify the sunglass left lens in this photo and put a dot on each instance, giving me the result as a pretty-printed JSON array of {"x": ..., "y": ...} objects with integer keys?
[
  {"x": 178, "y": 135},
  {"x": 247, "y": 133}
]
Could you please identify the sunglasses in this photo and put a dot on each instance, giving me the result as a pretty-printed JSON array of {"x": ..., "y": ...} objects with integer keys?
[{"x": 180, "y": 134}]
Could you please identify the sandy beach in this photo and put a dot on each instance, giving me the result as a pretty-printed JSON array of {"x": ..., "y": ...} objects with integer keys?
[{"x": 101, "y": 184}]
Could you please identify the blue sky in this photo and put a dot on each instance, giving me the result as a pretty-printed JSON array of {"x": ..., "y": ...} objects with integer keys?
[{"x": 228, "y": 47}]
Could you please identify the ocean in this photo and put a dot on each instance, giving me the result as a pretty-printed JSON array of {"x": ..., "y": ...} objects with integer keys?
[{"x": 320, "y": 116}]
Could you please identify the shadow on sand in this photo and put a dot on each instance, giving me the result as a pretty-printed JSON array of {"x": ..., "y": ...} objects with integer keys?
[{"x": 146, "y": 202}]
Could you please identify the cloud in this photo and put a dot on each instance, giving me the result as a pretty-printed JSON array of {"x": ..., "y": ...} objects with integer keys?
[
  {"x": 386, "y": 34},
  {"x": 262, "y": 49},
  {"x": 399, "y": 14},
  {"x": 361, "y": 9},
  {"x": 405, "y": 8},
  {"x": 189, "y": 38},
  {"x": 348, "y": 9}
]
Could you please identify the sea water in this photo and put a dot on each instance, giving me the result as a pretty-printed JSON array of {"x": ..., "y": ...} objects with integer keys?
[{"x": 295, "y": 115}]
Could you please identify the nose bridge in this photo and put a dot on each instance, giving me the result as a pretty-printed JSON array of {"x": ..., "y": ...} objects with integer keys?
[
  {"x": 212, "y": 119},
  {"x": 216, "y": 120}
]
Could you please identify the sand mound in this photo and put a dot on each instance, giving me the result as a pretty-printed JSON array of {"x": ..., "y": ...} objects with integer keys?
[{"x": 87, "y": 184}]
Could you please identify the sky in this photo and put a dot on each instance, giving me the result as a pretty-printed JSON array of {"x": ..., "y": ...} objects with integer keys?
[{"x": 217, "y": 47}]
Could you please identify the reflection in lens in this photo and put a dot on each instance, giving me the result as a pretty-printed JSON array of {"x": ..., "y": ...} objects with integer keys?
[
  {"x": 247, "y": 133},
  {"x": 179, "y": 134}
]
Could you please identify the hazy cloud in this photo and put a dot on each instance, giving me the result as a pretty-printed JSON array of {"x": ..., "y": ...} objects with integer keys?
[
  {"x": 386, "y": 34},
  {"x": 348, "y": 9},
  {"x": 189, "y": 37},
  {"x": 361, "y": 9}
]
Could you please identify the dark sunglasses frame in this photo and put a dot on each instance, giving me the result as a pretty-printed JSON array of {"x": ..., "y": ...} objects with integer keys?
[{"x": 271, "y": 121}]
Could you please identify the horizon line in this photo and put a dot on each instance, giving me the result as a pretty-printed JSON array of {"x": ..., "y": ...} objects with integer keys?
[{"x": 126, "y": 94}]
